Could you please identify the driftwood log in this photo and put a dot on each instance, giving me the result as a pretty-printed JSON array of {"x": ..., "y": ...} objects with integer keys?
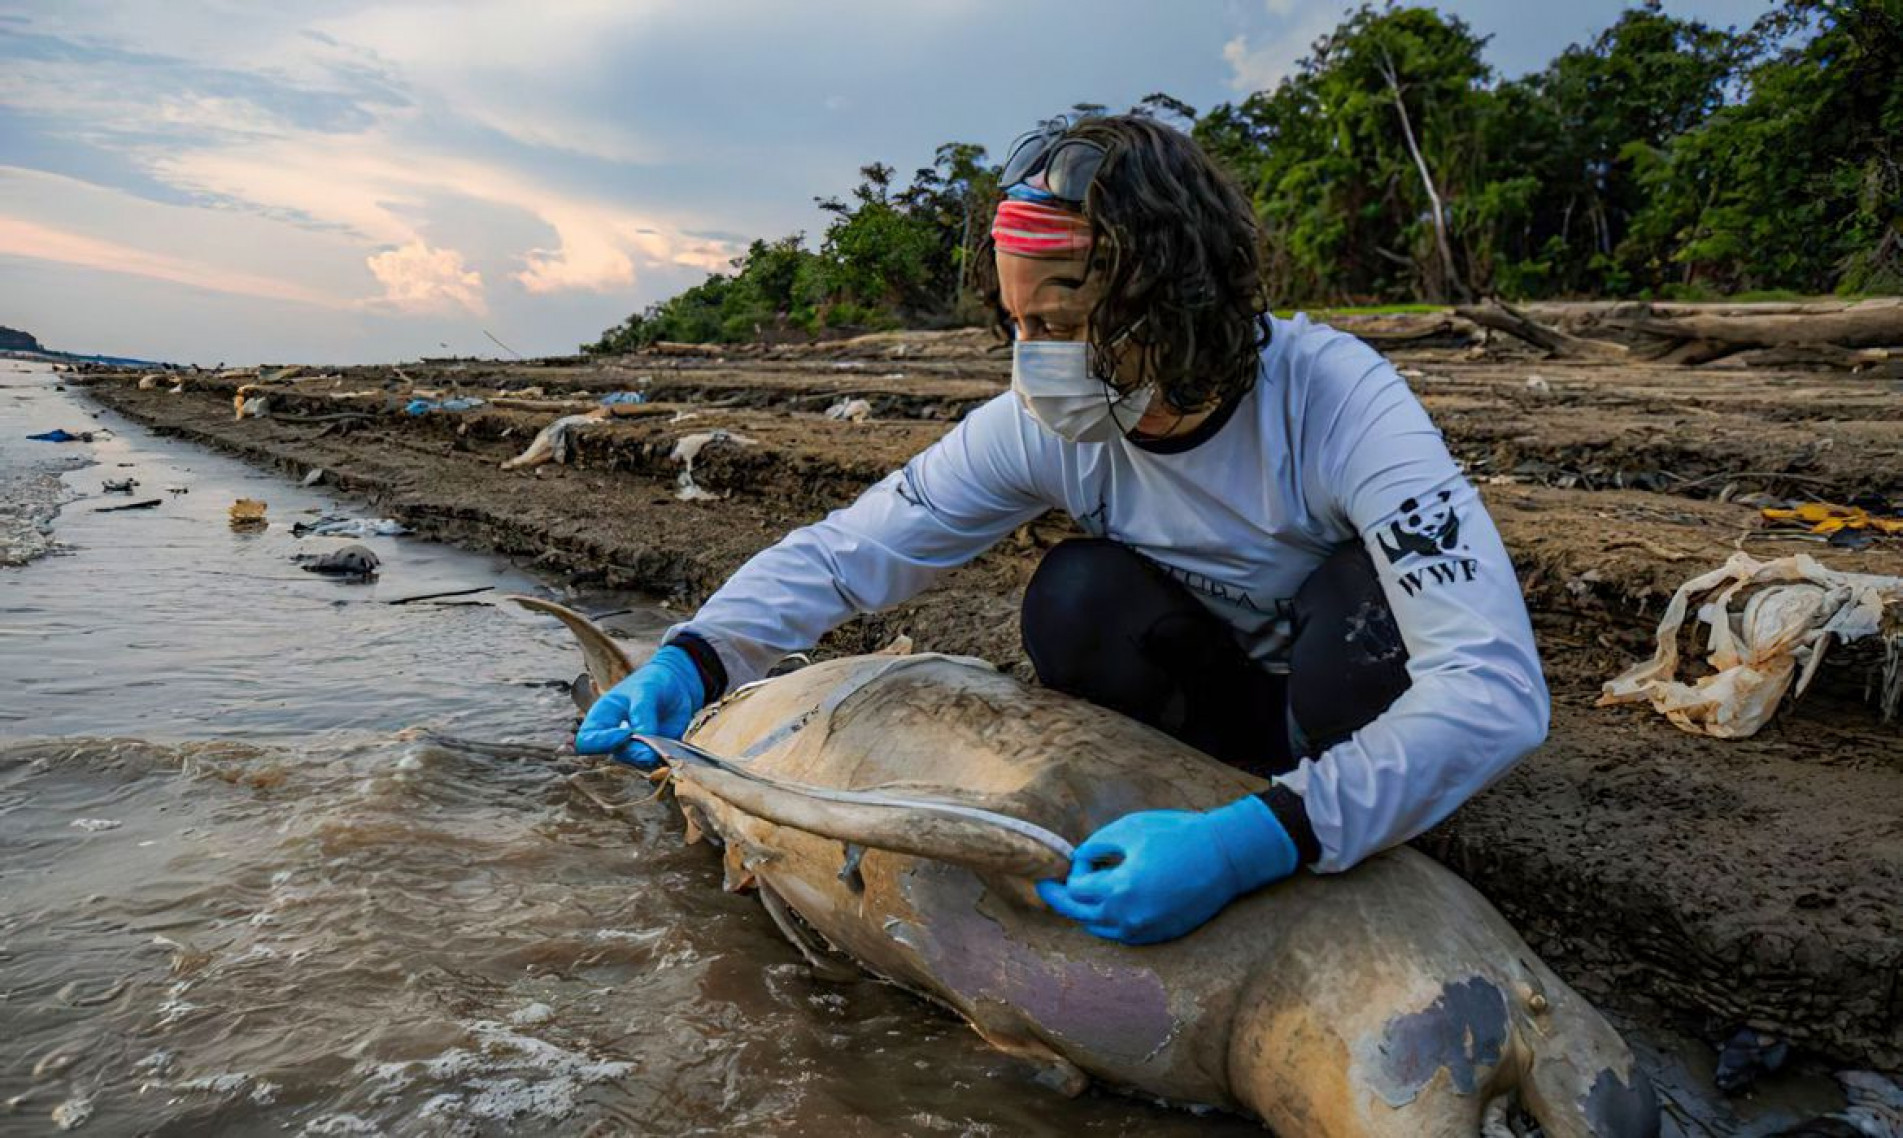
[
  {"x": 1390, "y": 332},
  {"x": 1862, "y": 337},
  {"x": 1872, "y": 324},
  {"x": 1502, "y": 317}
]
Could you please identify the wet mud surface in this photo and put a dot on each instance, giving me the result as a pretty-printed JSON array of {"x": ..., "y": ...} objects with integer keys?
[{"x": 1703, "y": 883}]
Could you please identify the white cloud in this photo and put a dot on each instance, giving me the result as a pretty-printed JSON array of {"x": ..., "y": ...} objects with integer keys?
[
  {"x": 376, "y": 185},
  {"x": 20, "y": 238},
  {"x": 1259, "y": 60},
  {"x": 309, "y": 136},
  {"x": 213, "y": 113},
  {"x": 523, "y": 68},
  {"x": 417, "y": 278},
  {"x": 591, "y": 257}
]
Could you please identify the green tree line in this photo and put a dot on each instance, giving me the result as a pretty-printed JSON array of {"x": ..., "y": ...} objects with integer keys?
[{"x": 1664, "y": 158}]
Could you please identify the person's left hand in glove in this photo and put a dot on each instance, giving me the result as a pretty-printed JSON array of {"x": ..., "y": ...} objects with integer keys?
[
  {"x": 1157, "y": 874},
  {"x": 659, "y": 698}
]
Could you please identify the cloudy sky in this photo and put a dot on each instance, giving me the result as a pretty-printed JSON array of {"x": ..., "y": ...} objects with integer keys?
[{"x": 344, "y": 180}]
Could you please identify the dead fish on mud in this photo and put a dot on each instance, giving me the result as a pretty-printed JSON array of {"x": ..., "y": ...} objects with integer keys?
[{"x": 863, "y": 798}]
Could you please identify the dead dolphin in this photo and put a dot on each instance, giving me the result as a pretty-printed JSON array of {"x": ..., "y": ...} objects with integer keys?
[
  {"x": 1388, "y": 1002},
  {"x": 354, "y": 562}
]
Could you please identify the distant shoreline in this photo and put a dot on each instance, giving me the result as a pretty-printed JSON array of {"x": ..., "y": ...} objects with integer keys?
[{"x": 44, "y": 356}]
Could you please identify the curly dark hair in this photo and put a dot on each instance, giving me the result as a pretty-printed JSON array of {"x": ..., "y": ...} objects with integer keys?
[{"x": 1178, "y": 243}]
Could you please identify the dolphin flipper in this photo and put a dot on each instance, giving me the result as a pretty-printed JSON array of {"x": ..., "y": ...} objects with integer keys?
[{"x": 608, "y": 663}]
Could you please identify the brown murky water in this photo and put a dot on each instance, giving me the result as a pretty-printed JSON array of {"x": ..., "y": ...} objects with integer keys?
[{"x": 237, "y": 897}]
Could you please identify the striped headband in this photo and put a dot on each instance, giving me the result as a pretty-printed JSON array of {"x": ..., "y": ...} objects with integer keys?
[{"x": 1032, "y": 229}]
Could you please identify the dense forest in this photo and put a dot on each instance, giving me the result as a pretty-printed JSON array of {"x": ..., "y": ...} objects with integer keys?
[{"x": 1665, "y": 158}]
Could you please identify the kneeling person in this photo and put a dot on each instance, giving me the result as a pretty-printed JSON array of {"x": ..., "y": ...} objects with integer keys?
[{"x": 1285, "y": 568}]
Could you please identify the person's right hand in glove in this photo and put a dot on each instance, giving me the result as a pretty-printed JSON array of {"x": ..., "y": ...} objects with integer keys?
[{"x": 660, "y": 698}]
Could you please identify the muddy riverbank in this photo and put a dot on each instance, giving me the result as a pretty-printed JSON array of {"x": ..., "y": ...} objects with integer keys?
[{"x": 1717, "y": 883}]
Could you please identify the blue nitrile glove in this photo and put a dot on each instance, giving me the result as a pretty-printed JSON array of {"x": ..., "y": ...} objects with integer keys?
[
  {"x": 660, "y": 698},
  {"x": 1157, "y": 874}
]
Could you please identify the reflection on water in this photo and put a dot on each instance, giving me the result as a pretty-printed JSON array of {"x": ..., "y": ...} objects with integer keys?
[{"x": 236, "y": 895}]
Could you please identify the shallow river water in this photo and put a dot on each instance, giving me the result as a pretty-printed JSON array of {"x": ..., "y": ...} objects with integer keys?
[{"x": 238, "y": 894}]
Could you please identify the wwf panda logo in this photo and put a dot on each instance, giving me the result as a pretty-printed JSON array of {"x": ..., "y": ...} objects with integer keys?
[{"x": 1426, "y": 528}]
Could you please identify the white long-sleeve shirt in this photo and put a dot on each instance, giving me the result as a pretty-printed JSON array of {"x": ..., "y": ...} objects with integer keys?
[{"x": 1329, "y": 446}]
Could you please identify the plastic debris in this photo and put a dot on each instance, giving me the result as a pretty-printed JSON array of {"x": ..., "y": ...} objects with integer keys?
[
  {"x": 686, "y": 449},
  {"x": 61, "y": 435},
  {"x": 554, "y": 442},
  {"x": 355, "y": 562},
  {"x": 314, "y": 477},
  {"x": 144, "y": 504},
  {"x": 117, "y": 485},
  {"x": 425, "y": 406},
  {"x": 1748, "y": 1056},
  {"x": 1824, "y": 518},
  {"x": 73, "y": 1113},
  {"x": 1794, "y": 610},
  {"x": 850, "y": 410},
  {"x": 614, "y": 398},
  {"x": 247, "y": 514},
  {"x": 337, "y": 525},
  {"x": 1875, "y": 1102}
]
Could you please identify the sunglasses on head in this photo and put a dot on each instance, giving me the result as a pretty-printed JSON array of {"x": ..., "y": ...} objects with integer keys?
[{"x": 1068, "y": 164}]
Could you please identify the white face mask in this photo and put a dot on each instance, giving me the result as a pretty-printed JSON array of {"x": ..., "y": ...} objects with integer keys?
[{"x": 1053, "y": 381}]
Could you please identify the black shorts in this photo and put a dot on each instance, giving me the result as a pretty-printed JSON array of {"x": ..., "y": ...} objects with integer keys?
[{"x": 1104, "y": 623}]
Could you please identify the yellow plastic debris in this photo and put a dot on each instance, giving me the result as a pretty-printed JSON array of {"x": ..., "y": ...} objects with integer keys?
[
  {"x": 1794, "y": 610},
  {"x": 248, "y": 513},
  {"x": 1822, "y": 517}
]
